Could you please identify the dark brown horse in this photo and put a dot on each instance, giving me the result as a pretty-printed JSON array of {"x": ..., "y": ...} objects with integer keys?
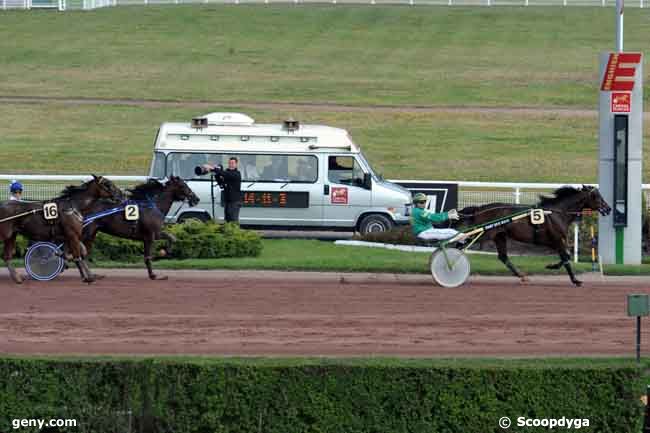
[
  {"x": 154, "y": 200},
  {"x": 564, "y": 205},
  {"x": 29, "y": 219}
]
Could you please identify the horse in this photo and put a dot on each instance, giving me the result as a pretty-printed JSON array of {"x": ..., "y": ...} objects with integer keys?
[
  {"x": 565, "y": 205},
  {"x": 29, "y": 219},
  {"x": 154, "y": 200}
]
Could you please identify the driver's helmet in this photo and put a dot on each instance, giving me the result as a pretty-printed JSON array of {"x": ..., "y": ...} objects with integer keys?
[
  {"x": 15, "y": 186},
  {"x": 419, "y": 198}
]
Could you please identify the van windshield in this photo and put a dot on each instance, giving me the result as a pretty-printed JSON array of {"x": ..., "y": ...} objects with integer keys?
[
  {"x": 158, "y": 165},
  {"x": 363, "y": 159}
]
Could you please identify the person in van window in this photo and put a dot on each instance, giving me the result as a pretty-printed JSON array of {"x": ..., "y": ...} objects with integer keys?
[
  {"x": 422, "y": 221},
  {"x": 15, "y": 190},
  {"x": 278, "y": 170},
  {"x": 231, "y": 181},
  {"x": 249, "y": 165},
  {"x": 305, "y": 170}
]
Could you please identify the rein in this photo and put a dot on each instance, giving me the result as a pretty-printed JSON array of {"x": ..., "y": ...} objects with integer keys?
[{"x": 20, "y": 215}]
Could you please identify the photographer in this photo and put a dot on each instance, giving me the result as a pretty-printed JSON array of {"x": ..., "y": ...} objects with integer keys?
[{"x": 230, "y": 181}]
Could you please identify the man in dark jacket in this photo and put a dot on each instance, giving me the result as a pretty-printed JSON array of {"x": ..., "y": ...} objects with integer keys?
[{"x": 230, "y": 181}]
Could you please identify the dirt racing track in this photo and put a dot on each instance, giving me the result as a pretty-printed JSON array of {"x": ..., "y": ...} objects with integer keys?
[{"x": 300, "y": 313}]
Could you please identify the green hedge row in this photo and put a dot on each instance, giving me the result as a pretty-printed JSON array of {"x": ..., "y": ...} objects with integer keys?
[
  {"x": 194, "y": 240},
  {"x": 205, "y": 397}
]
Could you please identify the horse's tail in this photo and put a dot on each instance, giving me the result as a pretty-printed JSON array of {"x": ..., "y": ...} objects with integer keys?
[{"x": 467, "y": 215}]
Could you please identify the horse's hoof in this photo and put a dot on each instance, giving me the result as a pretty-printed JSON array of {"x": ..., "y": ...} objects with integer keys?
[
  {"x": 524, "y": 280},
  {"x": 89, "y": 280},
  {"x": 18, "y": 279},
  {"x": 98, "y": 277},
  {"x": 156, "y": 277},
  {"x": 578, "y": 283}
]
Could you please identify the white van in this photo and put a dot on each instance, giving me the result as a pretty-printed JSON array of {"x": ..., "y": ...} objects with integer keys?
[{"x": 293, "y": 176}]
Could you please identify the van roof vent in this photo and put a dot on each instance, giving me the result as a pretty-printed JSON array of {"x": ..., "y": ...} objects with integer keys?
[
  {"x": 224, "y": 119},
  {"x": 291, "y": 124}
]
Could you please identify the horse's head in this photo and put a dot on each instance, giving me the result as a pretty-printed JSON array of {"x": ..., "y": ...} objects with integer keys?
[
  {"x": 593, "y": 200},
  {"x": 181, "y": 191},
  {"x": 104, "y": 188}
]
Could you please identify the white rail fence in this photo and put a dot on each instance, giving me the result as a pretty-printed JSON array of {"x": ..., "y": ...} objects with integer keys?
[
  {"x": 63, "y": 5},
  {"x": 43, "y": 187}
]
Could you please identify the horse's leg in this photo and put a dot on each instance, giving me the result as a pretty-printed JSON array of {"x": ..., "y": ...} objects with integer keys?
[
  {"x": 501, "y": 242},
  {"x": 566, "y": 261},
  {"x": 557, "y": 265},
  {"x": 87, "y": 245},
  {"x": 74, "y": 246},
  {"x": 148, "y": 243},
  {"x": 89, "y": 235},
  {"x": 170, "y": 239},
  {"x": 9, "y": 246}
]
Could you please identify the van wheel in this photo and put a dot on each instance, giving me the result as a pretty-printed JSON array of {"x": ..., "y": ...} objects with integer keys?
[
  {"x": 196, "y": 216},
  {"x": 375, "y": 223}
]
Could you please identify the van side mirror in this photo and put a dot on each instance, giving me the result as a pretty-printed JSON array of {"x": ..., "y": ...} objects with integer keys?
[{"x": 367, "y": 181}]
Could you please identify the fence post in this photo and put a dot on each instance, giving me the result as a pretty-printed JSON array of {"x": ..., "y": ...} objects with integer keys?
[{"x": 517, "y": 195}]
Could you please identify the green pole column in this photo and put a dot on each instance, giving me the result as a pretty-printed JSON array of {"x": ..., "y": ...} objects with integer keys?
[{"x": 620, "y": 243}]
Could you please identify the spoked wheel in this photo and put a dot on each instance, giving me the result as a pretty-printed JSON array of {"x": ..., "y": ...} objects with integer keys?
[
  {"x": 449, "y": 267},
  {"x": 44, "y": 261}
]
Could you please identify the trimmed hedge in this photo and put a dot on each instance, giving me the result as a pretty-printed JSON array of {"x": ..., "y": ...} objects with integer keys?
[
  {"x": 185, "y": 396},
  {"x": 194, "y": 240}
]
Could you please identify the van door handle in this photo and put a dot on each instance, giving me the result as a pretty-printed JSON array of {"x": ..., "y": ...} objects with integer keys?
[{"x": 326, "y": 189}]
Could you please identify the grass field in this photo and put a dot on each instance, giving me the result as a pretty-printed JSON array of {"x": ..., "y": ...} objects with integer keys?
[
  {"x": 499, "y": 57},
  {"x": 446, "y": 145},
  {"x": 289, "y": 255},
  {"x": 378, "y": 361},
  {"x": 546, "y": 56}
]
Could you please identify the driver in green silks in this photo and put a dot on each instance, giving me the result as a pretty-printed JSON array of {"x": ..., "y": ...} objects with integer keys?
[{"x": 422, "y": 221}]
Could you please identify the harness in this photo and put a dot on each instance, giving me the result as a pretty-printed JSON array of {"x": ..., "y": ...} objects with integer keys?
[{"x": 148, "y": 204}]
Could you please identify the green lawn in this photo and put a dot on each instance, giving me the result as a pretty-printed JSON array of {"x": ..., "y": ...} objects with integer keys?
[
  {"x": 505, "y": 56},
  {"x": 494, "y": 363},
  {"x": 289, "y": 255},
  {"x": 69, "y": 139},
  {"x": 460, "y": 56}
]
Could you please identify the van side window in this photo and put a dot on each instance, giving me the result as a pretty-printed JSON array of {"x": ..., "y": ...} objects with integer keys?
[
  {"x": 345, "y": 170},
  {"x": 253, "y": 167},
  {"x": 183, "y": 164},
  {"x": 278, "y": 168},
  {"x": 303, "y": 168}
]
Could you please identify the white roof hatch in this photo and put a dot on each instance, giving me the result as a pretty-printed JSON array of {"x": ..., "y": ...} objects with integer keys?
[{"x": 222, "y": 119}]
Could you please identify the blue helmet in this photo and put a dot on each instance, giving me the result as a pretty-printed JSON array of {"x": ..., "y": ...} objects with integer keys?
[{"x": 15, "y": 186}]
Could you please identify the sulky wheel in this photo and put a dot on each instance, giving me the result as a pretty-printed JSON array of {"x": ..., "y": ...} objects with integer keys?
[
  {"x": 449, "y": 267},
  {"x": 44, "y": 261}
]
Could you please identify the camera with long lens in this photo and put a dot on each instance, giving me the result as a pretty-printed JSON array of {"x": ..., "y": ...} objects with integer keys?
[{"x": 201, "y": 170}]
